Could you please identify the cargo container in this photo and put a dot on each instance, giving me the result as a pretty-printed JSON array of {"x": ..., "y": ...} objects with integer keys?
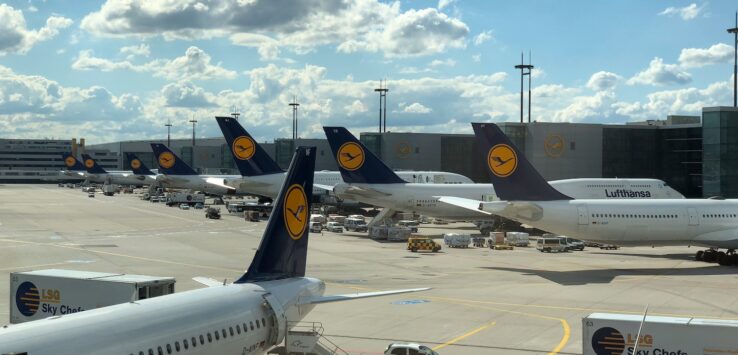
[
  {"x": 610, "y": 333},
  {"x": 44, "y": 293}
]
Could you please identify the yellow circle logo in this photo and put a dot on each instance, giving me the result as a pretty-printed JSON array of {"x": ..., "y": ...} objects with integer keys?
[
  {"x": 89, "y": 163},
  {"x": 554, "y": 145},
  {"x": 70, "y": 161},
  {"x": 403, "y": 150},
  {"x": 502, "y": 160},
  {"x": 295, "y": 211},
  {"x": 350, "y": 156},
  {"x": 135, "y": 163},
  {"x": 166, "y": 160},
  {"x": 243, "y": 148}
]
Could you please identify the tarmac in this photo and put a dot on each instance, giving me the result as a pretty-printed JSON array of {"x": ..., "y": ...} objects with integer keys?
[{"x": 481, "y": 302}]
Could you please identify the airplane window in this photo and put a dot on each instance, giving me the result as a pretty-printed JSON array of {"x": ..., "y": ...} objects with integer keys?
[
  {"x": 245, "y": 328},
  {"x": 252, "y": 325},
  {"x": 224, "y": 334},
  {"x": 238, "y": 328},
  {"x": 140, "y": 353},
  {"x": 202, "y": 340},
  {"x": 231, "y": 330},
  {"x": 217, "y": 335},
  {"x": 263, "y": 322},
  {"x": 176, "y": 346},
  {"x": 151, "y": 352},
  {"x": 210, "y": 338},
  {"x": 158, "y": 349},
  {"x": 169, "y": 349},
  {"x": 257, "y": 324},
  {"x": 186, "y": 344}
]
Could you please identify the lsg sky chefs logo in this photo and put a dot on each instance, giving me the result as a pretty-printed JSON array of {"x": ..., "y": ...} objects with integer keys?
[{"x": 30, "y": 300}]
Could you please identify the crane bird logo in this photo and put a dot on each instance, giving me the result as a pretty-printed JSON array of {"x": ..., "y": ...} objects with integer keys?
[
  {"x": 502, "y": 160},
  {"x": 135, "y": 163},
  {"x": 295, "y": 211},
  {"x": 69, "y": 161},
  {"x": 554, "y": 145},
  {"x": 243, "y": 148},
  {"x": 89, "y": 163},
  {"x": 350, "y": 156},
  {"x": 166, "y": 160}
]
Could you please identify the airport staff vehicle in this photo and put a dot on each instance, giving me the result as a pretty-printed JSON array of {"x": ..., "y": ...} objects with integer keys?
[
  {"x": 415, "y": 244},
  {"x": 252, "y": 216},
  {"x": 499, "y": 242},
  {"x": 549, "y": 244},
  {"x": 573, "y": 244},
  {"x": 517, "y": 239},
  {"x": 355, "y": 224},
  {"x": 181, "y": 197},
  {"x": 334, "y": 227},
  {"x": 91, "y": 194},
  {"x": 408, "y": 349},
  {"x": 53, "y": 292},
  {"x": 212, "y": 213},
  {"x": 316, "y": 227},
  {"x": 247, "y": 316},
  {"x": 456, "y": 240},
  {"x": 109, "y": 189},
  {"x": 529, "y": 199},
  {"x": 608, "y": 247},
  {"x": 609, "y": 333},
  {"x": 184, "y": 206}
]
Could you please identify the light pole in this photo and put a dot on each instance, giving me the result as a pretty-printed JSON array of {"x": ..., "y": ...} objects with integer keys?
[
  {"x": 734, "y": 31},
  {"x": 194, "y": 122},
  {"x": 294, "y": 105},
  {"x": 382, "y": 105},
  {"x": 169, "y": 129},
  {"x": 525, "y": 69}
]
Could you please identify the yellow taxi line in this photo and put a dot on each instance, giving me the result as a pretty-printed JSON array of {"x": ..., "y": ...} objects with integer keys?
[{"x": 463, "y": 336}]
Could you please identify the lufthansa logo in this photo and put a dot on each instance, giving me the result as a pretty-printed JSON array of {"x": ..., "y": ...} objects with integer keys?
[
  {"x": 295, "y": 211},
  {"x": 89, "y": 163},
  {"x": 27, "y": 298},
  {"x": 135, "y": 163},
  {"x": 608, "y": 341},
  {"x": 502, "y": 160},
  {"x": 403, "y": 150},
  {"x": 166, "y": 160},
  {"x": 350, "y": 156},
  {"x": 554, "y": 145},
  {"x": 70, "y": 161},
  {"x": 243, "y": 148}
]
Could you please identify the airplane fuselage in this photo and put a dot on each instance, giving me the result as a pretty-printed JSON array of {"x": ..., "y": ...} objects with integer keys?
[{"x": 211, "y": 184}]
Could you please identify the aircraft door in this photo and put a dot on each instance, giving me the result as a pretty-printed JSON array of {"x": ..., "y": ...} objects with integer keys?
[
  {"x": 279, "y": 323},
  {"x": 583, "y": 215},
  {"x": 693, "y": 219}
]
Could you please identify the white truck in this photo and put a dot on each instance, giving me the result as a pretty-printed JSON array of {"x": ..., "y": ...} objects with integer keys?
[
  {"x": 455, "y": 240},
  {"x": 610, "y": 333},
  {"x": 109, "y": 189},
  {"x": 44, "y": 293},
  {"x": 517, "y": 239},
  {"x": 178, "y": 198}
]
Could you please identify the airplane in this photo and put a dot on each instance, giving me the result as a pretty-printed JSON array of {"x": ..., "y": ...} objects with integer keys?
[
  {"x": 140, "y": 170},
  {"x": 529, "y": 199},
  {"x": 175, "y": 173},
  {"x": 74, "y": 167},
  {"x": 247, "y": 316},
  {"x": 96, "y": 173},
  {"x": 367, "y": 179},
  {"x": 262, "y": 176}
]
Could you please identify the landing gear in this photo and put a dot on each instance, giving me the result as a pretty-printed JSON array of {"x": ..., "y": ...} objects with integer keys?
[{"x": 725, "y": 258}]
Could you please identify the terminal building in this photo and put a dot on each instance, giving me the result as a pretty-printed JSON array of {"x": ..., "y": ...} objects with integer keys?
[{"x": 695, "y": 155}]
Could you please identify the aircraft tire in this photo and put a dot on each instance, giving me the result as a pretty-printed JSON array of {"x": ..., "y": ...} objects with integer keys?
[
  {"x": 698, "y": 255},
  {"x": 725, "y": 259},
  {"x": 709, "y": 256}
]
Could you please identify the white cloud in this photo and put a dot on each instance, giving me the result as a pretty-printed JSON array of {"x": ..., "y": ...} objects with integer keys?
[
  {"x": 603, "y": 80},
  {"x": 416, "y": 107},
  {"x": 86, "y": 61},
  {"x": 185, "y": 94},
  {"x": 355, "y": 107},
  {"x": 442, "y": 63},
  {"x": 16, "y": 38},
  {"x": 141, "y": 50},
  {"x": 442, "y": 4},
  {"x": 477, "y": 57},
  {"x": 700, "y": 57},
  {"x": 659, "y": 73},
  {"x": 351, "y": 25},
  {"x": 687, "y": 13},
  {"x": 482, "y": 37}
]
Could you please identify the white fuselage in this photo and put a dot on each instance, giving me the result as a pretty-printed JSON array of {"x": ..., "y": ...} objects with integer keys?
[
  {"x": 187, "y": 321},
  {"x": 706, "y": 222},
  {"x": 120, "y": 178},
  {"x": 423, "y": 198},
  {"x": 211, "y": 184}
]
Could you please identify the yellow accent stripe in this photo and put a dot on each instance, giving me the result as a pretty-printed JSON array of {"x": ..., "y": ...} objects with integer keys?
[{"x": 465, "y": 335}]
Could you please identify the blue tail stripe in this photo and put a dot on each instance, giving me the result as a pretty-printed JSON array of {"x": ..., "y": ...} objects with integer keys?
[
  {"x": 282, "y": 252},
  {"x": 513, "y": 176},
  {"x": 77, "y": 166},
  {"x": 95, "y": 168},
  {"x": 356, "y": 163},
  {"x": 142, "y": 168},
  {"x": 254, "y": 163},
  {"x": 178, "y": 166}
]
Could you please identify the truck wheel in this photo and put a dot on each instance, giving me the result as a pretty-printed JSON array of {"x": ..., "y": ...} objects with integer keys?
[{"x": 698, "y": 255}]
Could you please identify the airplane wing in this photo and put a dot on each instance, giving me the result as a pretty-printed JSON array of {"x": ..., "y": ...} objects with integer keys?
[
  {"x": 354, "y": 296},
  {"x": 465, "y": 203},
  {"x": 219, "y": 183},
  {"x": 208, "y": 281}
]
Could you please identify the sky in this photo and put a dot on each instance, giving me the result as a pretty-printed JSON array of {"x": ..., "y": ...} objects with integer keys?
[{"x": 121, "y": 69}]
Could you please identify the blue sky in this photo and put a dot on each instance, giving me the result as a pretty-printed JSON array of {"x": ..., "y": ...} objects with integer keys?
[{"x": 115, "y": 70}]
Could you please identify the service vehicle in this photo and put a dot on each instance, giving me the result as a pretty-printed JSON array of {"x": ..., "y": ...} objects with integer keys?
[
  {"x": 336, "y": 218},
  {"x": 415, "y": 244},
  {"x": 609, "y": 247},
  {"x": 612, "y": 333},
  {"x": 109, "y": 189},
  {"x": 357, "y": 216},
  {"x": 212, "y": 213},
  {"x": 176, "y": 198},
  {"x": 412, "y": 224},
  {"x": 549, "y": 244},
  {"x": 456, "y": 240},
  {"x": 318, "y": 218},
  {"x": 517, "y": 239},
  {"x": 252, "y": 216},
  {"x": 316, "y": 227},
  {"x": 199, "y": 206},
  {"x": 184, "y": 206},
  {"x": 498, "y": 241},
  {"x": 408, "y": 349},
  {"x": 573, "y": 244},
  {"x": 53, "y": 292},
  {"x": 91, "y": 194},
  {"x": 398, "y": 234},
  {"x": 355, "y": 224},
  {"x": 334, "y": 227}
]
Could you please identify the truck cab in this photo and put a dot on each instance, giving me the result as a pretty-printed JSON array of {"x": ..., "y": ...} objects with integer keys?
[{"x": 408, "y": 349}]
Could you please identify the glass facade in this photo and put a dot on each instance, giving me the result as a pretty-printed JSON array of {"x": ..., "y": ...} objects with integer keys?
[
  {"x": 373, "y": 142},
  {"x": 720, "y": 152}
]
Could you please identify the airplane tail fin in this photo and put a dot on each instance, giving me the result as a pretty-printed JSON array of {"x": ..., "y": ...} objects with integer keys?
[
  {"x": 249, "y": 156},
  {"x": 513, "y": 176},
  {"x": 170, "y": 163},
  {"x": 137, "y": 166},
  {"x": 356, "y": 163},
  {"x": 283, "y": 249},
  {"x": 92, "y": 166},
  {"x": 72, "y": 163}
]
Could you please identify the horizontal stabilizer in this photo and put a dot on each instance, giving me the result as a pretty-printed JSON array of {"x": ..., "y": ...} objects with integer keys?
[
  {"x": 208, "y": 281},
  {"x": 354, "y": 296},
  {"x": 324, "y": 187},
  {"x": 469, "y": 204}
]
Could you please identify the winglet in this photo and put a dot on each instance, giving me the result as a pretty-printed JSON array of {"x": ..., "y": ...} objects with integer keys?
[
  {"x": 356, "y": 163},
  {"x": 137, "y": 166},
  {"x": 170, "y": 163},
  {"x": 251, "y": 159},
  {"x": 283, "y": 250},
  {"x": 512, "y": 175},
  {"x": 92, "y": 166}
]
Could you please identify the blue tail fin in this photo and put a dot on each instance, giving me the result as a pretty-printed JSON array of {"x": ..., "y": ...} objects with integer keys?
[
  {"x": 513, "y": 176},
  {"x": 356, "y": 163},
  {"x": 249, "y": 156},
  {"x": 283, "y": 250},
  {"x": 72, "y": 163},
  {"x": 92, "y": 166},
  {"x": 170, "y": 163},
  {"x": 137, "y": 166}
]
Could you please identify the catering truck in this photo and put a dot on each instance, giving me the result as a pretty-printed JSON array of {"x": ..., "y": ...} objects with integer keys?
[
  {"x": 616, "y": 334},
  {"x": 45, "y": 293}
]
